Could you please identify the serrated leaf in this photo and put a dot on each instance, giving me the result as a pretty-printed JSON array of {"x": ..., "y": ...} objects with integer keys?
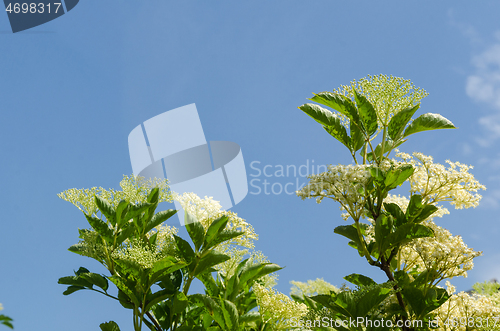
[
  {"x": 96, "y": 279},
  {"x": 321, "y": 115},
  {"x": 159, "y": 218},
  {"x": 121, "y": 210},
  {"x": 109, "y": 326},
  {"x": 128, "y": 291},
  {"x": 211, "y": 306},
  {"x": 367, "y": 113},
  {"x": 215, "y": 229},
  {"x": 398, "y": 122},
  {"x": 360, "y": 280},
  {"x": 428, "y": 121},
  {"x": 72, "y": 289},
  {"x": 357, "y": 138},
  {"x": 407, "y": 232},
  {"x": 101, "y": 228},
  {"x": 396, "y": 212},
  {"x": 165, "y": 266},
  {"x": 224, "y": 236},
  {"x": 184, "y": 248},
  {"x": 195, "y": 230},
  {"x": 209, "y": 260},
  {"x": 231, "y": 315},
  {"x": 106, "y": 209},
  {"x": 339, "y": 102},
  {"x": 339, "y": 132}
]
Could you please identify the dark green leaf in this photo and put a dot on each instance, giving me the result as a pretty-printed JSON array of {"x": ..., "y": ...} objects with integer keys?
[
  {"x": 106, "y": 209},
  {"x": 223, "y": 237},
  {"x": 165, "y": 266},
  {"x": 357, "y": 138},
  {"x": 209, "y": 260},
  {"x": 127, "y": 290},
  {"x": 414, "y": 207},
  {"x": 396, "y": 177},
  {"x": 101, "y": 228},
  {"x": 407, "y": 232},
  {"x": 96, "y": 279},
  {"x": 180, "y": 303},
  {"x": 231, "y": 316},
  {"x": 367, "y": 113},
  {"x": 371, "y": 300},
  {"x": 184, "y": 248},
  {"x": 215, "y": 229},
  {"x": 360, "y": 280},
  {"x": 212, "y": 307},
  {"x": 319, "y": 114},
  {"x": 154, "y": 195},
  {"x": 109, "y": 326},
  {"x": 396, "y": 212},
  {"x": 159, "y": 218},
  {"x": 425, "y": 212},
  {"x": 72, "y": 289},
  {"x": 339, "y": 102},
  {"x": 398, "y": 122},
  {"x": 195, "y": 230},
  {"x": 428, "y": 121},
  {"x": 121, "y": 210},
  {"x": 339, "y": 132},
  {"x": 5, "y": 320}
]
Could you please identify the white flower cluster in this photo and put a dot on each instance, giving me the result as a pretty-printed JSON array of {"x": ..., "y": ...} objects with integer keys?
[
  {"x": 207, "y": 210},
  {"x": 464, "y": 312},
  {"x": 448, "y": 255},
  {"x": 312, "y": 287},
  {"x": 276, "y": 308},
  {"x": 389, "y": 95},
  {"x": 340, "y": 183},
  {"x": 134, "y": 190},
  {"x": 144, "y": 255},
  {"x": 436, "y": 183}
]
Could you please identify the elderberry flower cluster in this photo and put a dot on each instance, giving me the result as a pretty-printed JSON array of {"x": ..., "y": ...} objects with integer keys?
[
  {"x": 340, "y": 183},
  {"x": 448, "y": 255},
  {"x": 311, "y": 288},
  {"x": 206, "y": 210},
  {"x": 464, "y": 311},
  {"x": 146, "y": 255},
  {"x": 437, "y": 183},
  {"x": 135, "y": 190},
  {"x": 388, "y": 95},
  {"x": 276, "y": 308}
]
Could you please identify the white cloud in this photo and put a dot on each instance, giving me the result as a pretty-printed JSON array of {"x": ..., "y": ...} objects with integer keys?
[{"x": 484, "y": 86}]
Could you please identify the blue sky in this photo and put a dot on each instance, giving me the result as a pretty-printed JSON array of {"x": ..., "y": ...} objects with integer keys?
[{"x": 71, "y": 91}]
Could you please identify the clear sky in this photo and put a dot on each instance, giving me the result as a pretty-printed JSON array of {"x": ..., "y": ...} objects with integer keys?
[{"x": 71, "y": 91}]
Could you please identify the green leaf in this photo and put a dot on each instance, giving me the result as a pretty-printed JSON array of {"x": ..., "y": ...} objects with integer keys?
[
  {"x": 414, "y": 207},
  {"x": 75, "y": 280},
  {"x": 360, "y": 280},
  {"x": 231, "y": 316},
  {"x": 251, "y": 316},
  {"x": 398, "y": 176},
  {"x": 106, "y": 209},
  {"x": 159, "y": 218},
  {"x": 339, "y": 132},
  {"x": 357, "y": 138},
  {"x": 367, "y": 113},
  {"x": 425, "y": 212},
  {"x": 428, "y": 121},
  {"x": 252, "y": 272},
  {"x": 211, "y": 306},
  {"x": 124, "y": 287},
  {"x": 154, "y": 195},
  {"x": 215, "y": 229},
  {"x": 101, "y": 228},
  {"x": 421, "y": 303},
  {"x": 195, "y": 230},
  {"x": 77, "y": 248},
  {"x": 319, "y": 114},
  {"x": 223, "y": 237},
  {"x": 184, "y": 248},
  {"x": 96, "y": 279},
  {"x": 165, "y": 266},
  {"x": 210, "y": 285},
  {"x": 371, "y": 300},
  {"x": 383, "y": 227},
  {"x": 180, "y": 303},
  {"x": 5, "y": 320},
  {"x": 73, "y": 288},
  {"x": 209, "y": 260},
  {"x": 396, "y": 212},
  {"x": 398, "y": 122},
  {"x": 121, "y": 210},
  {"x": 407, "y": 232},
  {"x": 109, "y": 326},
  {"x": 339, "y": 102}
]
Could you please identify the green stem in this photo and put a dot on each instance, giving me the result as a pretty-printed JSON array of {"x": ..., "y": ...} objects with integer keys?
[{"x": 384, "y": 137}]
